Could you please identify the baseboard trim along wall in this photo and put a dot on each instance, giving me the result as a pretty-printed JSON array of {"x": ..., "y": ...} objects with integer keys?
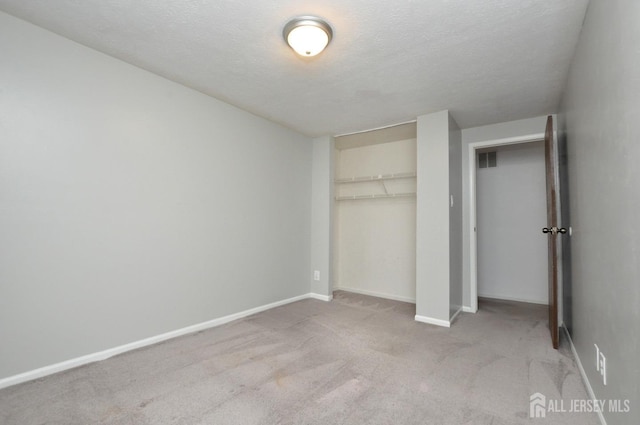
[
  {"x": 321, "y": 297},
  {"x": 468, "y": 309},
  {"x": 455, "y": 315},
  {"x": 520, "y": 300},
  {"x": 376, "y": 294},
  {"x": 432, "y": 321},
  {"x": 583, "y": 373},
  {"x": 103, "y": 355}
]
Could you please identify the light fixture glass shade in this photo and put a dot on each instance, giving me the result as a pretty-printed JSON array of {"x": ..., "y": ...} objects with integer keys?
[{"x": 307, "y": 35}]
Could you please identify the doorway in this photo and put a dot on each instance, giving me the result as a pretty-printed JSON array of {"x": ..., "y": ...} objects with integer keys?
[
  {"x": 511, "y": 209},
  {"x": 473, "y": 149}
]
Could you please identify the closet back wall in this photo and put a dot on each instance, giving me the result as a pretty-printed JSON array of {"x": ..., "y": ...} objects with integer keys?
[{"x": 375, "y": 238}]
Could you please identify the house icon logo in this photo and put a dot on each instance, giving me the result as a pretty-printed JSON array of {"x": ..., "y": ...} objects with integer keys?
[{"x": 537, "y": 406}]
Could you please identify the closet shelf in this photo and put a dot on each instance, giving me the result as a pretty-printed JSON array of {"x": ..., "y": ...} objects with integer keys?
[
  {"x": 380, "y": 195},
  {"x": 379, "y": 177}
]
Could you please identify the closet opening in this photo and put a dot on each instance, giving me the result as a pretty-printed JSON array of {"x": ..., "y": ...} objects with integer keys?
[{"x": 375, "y": 213}]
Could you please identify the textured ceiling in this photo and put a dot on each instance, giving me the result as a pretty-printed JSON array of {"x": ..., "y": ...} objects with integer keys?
[{"x": 389, "y": 61}]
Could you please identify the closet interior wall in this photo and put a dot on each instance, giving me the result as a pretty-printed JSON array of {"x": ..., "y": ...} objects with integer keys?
[{"x": 375, "y": 220}]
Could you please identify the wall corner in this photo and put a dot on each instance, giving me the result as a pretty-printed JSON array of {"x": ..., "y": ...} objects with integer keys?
[{"x": 322, "y": 199}]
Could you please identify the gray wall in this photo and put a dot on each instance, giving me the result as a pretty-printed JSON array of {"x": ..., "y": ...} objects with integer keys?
[
  {"x": 455, "y": 217},
  {"x": 131, "y": 206},
  {"x": 601, "y": 109},
  {"x": 511, "y": 210},
  {"x": 432, "y": 218}
]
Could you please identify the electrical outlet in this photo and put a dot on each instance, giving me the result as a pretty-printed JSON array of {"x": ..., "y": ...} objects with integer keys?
[
  {"x": 601, "y": 364},
  {"x": 316, "y": 275}
]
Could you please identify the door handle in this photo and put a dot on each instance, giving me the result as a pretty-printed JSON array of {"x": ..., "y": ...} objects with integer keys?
[{"x": 554, "y": 230}]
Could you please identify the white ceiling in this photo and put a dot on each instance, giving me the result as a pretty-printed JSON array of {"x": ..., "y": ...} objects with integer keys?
[{"x": 389, "y": 61}]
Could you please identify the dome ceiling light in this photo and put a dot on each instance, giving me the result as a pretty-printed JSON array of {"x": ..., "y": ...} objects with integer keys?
[{"x": 307, "y": 35}]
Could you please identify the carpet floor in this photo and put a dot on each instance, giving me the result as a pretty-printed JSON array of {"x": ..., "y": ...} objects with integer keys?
[{"x": 355, "y": 360}]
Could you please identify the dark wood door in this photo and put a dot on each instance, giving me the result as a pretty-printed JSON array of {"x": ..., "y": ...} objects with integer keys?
[{"x": 552, "y": 231}]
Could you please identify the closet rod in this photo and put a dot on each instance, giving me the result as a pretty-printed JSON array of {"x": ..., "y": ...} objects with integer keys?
[
  {"x": 381, "y": 195},
  {"x": 376, "y": 178}
]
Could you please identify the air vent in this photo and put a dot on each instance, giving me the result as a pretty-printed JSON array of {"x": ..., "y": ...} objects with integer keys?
[{"x": 487, "y": 160}]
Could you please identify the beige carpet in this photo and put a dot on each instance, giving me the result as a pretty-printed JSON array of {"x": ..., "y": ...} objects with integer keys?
[{"x": 355, "y": 360}]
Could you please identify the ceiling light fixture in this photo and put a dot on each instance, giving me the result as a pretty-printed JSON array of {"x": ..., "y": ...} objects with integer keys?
[{"x": 307, "y": 35}]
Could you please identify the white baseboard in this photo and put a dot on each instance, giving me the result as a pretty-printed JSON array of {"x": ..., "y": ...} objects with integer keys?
[
  {"x": 320, "y": 297},
  {"x": 585, "y": 379},
  {"x": 376, "y": 294},
  {"x": 520, "y": 300},
  {"x": 432, "y": 321},
  {"x": 455, "y": 315},
  {"x": 468, "y": 309},
  {"x": 103, "y": 355}
]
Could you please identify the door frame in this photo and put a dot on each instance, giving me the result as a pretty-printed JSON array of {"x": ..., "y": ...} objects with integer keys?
[{"x": 473, "y": 240}]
